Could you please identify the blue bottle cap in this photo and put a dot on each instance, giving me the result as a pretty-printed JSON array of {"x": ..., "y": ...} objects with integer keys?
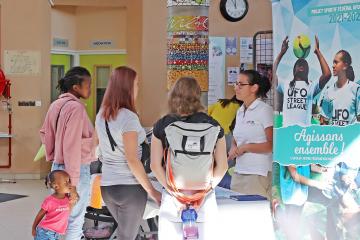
[{"x": 188, "y": 215}]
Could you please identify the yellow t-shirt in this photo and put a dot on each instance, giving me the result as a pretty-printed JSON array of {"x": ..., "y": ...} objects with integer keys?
[{"x": 224, "y": 116}]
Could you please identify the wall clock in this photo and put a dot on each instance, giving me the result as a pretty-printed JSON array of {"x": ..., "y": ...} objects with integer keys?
[{"x": 234, "y": 10}]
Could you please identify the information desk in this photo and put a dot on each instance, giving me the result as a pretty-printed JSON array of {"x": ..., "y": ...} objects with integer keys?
[{"x": 237, "y": 219}]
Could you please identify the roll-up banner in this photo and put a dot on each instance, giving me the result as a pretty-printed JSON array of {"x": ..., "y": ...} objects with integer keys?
[{"x": 316, "y": 179}]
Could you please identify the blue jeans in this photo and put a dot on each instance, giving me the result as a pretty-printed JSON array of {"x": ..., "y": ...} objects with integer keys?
[
  {"x": 76, "y": 220},
  {"x": 45, "y": 234}
]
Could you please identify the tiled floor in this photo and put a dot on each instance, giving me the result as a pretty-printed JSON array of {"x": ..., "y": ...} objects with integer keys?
[{"x": 16, "y": 216}]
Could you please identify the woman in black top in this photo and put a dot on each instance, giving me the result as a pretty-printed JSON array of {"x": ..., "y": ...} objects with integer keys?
[{"x": 184, "y": 105}]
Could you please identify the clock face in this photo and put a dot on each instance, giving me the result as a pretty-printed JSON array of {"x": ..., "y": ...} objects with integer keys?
[{"x": 233, "y": 10}]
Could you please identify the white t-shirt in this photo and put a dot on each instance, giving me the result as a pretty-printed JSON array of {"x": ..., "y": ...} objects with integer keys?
[
  {"x": 250, "y": 128},
  {"x": 297, "y": 104},
  {"x": 341, "y": 105},
  {"x": 115, "y": 169}
]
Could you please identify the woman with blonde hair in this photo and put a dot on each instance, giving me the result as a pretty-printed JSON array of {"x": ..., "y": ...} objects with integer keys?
[{"x": 185, "y": 106}]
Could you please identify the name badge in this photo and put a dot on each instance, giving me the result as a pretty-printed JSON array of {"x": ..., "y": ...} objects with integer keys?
[{"x": 250, "y": 122}]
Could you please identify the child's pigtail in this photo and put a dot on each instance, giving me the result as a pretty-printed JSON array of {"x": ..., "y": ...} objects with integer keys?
[{"x": 47, "y": 180}]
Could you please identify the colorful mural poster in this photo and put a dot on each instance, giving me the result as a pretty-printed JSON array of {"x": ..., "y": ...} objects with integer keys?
[{"x": 316, "y": 73}]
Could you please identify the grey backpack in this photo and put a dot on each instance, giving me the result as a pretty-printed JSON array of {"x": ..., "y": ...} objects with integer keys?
[{"x": 190, "y": 159}]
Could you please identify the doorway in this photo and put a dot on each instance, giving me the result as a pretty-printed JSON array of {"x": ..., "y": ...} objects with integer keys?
[
  {"x": 102, "y": 75},
  {"x": 57, "y": 72}
]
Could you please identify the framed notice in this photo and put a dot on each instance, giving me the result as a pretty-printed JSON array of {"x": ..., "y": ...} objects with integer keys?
[{"x": 22, "y": 62}]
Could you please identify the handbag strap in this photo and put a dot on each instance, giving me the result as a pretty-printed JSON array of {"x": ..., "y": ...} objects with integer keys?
[
  {"x": 58, "y": 116},
  {"x": 111, "y": 139}
]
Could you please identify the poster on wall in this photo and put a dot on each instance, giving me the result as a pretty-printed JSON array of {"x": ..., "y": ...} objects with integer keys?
[
  {"x": 246, "y": 66},
  {"x": 246, "y": 50},
  {"x": 216, "y": 69},
  {"x": 316, "y": 180},
  {"x": 232, "y": 75},
  {"x": 22, "y": 62},
  {"x": 231, "y": 46}
]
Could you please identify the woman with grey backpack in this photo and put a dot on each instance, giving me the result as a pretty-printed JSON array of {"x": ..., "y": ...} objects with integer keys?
[{"x": 193, "y": 147}]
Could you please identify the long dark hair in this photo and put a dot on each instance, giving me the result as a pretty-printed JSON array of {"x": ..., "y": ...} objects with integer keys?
[
  {"x": 224, "y": 102},
  {"x": 301, "y": 62},
  {"x": 75, "y": 76},
  {"x": 256, "y": 78},
  {"x": 346, "y": 58}
]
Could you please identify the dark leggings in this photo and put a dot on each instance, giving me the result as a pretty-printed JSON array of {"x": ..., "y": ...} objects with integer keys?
[{"x": 126, "y": 204}]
